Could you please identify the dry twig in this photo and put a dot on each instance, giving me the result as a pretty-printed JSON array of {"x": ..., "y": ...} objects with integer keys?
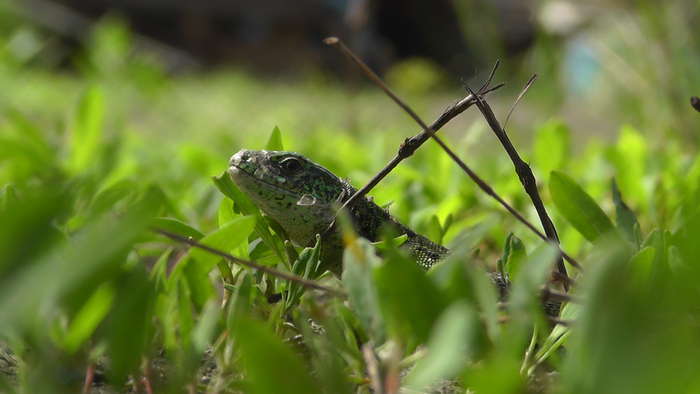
[
  {"x": 410, "y": 145},
  {"x": 485, "y": 187},
  {"x": 527, "y": 178},
  {"x": 251, "y": 264}
]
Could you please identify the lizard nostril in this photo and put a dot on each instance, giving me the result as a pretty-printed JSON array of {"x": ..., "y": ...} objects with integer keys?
[{"x": 239, "y": 158}]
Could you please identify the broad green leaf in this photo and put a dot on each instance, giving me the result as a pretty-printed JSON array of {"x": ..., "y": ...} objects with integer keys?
[
  {"x": 642, "y": 265},
  {"x": 358, "y": 261},
  {"x": 578, "y": 208},
  {"x": 409, "y": 300},
  {"x": 128, "y": 327},
  {"x": 177, "y": 227},
  {"x": 460, "y": 278},
  {"x": 448, "y": 349},
  {"x": 205, "y": 328},
  {"x": 88, "y": 317},
  {"x": 241, "y": 202},
  {"x": 525, "y": 291},
  {"x": 275, "y": 140},
  {"x": 97, "y": 249},
  {"x": 225, "y": 238},
  {"x": 87, "y": 130},
  {"x": 552, "y": 146},
  {"x": 27, "y": 227},
  {"x": 225, "y": 213},
  {"x": 198, "y": 262},
  {"x": 271, "y": 367}
]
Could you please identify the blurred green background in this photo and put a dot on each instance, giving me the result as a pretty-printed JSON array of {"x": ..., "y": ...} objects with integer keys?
[{"x": 115, "y": 116}]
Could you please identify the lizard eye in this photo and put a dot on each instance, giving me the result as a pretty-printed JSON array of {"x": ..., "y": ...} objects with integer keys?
[{"x": 291, "y": 164}]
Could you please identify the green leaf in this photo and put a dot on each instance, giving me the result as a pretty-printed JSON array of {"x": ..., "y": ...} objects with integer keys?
[
  {"x": 98, "y": 249},
  {"x": 411, "y": 302},
  {"x": 245, "y": 206},
  {"x": 128, "y": 327},
  {"x": 514, "y": 255},
  {"x": 558, "y": 337},
  {"x": 448, "y": 349},
  {"x": 525, "y": 291},
  {"x": 358, "y": 261},
  {"x": 460, "y": 278},
  {"x": 271, "y": 367},
  {"x": 630, "y": 162},
  {"x": 226, "y": 238},
  {"x": 225, "y": 213},
  {"x": 625, "y": 219},
  {"x": 87, "y": 130},
  {"x": 306, "y": 266},
  {"x": 206, "y": 327},
  {"x": 275, "y": 140},
  {"x": 177, "y": 227},
  {"x": 88, "y": 317},
  {"x": 578, "y": 208},
  {"x": 552, "y": 146},
  {"x": 241, "y": 202},
  {"x": 642, "y": 265},
  {"x": 198, "y": 262}
]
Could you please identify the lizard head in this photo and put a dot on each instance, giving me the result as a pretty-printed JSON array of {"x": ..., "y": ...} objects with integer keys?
[{"x": 294, "y": 191}]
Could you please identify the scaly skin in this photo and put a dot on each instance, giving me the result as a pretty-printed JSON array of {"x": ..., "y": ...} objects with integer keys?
[{"x": 302, "y": 197}]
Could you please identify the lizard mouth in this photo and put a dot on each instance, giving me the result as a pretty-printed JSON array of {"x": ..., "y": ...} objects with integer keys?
[{"x": 243, "y": 178}]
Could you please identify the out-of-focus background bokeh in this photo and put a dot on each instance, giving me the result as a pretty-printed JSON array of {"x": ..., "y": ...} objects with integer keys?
[
  {"x": 600, "y": 63},
  {"x": 113, "y": 112}
]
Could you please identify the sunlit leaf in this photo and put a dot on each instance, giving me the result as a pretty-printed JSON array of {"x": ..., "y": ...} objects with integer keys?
[
  {"x": 625, "y": 218},
  {"x": 410, "y": 301},
  {"x": 88, "y": 317},
  {"x": 552, "y": 146},
  {"x": 514, "y": 255},
  {"x": 578, "y": 207},
  {"x": 274, "y": 142},
  {"x": 177, "y": 227},
  {"x": 271, "y": 367},
  {"x": 448, "y": 347},
  {"x": 358, "y": 262},
  {"x": 87, "y": 130}
]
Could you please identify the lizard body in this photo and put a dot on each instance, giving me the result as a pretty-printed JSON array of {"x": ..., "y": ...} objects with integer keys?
[{"x": 303, "y": 196}]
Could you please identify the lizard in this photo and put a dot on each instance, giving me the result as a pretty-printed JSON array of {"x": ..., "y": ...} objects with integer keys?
[{"x": 303, "y": 196}]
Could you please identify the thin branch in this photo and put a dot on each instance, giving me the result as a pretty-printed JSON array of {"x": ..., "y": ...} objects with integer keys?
[
  {"x": 517, "y": 99},
  {"x": 410, "y": 145},
  {"x": 527, "y": 179},
  {"x": 431, "y": 134},
  {"x": 89, "y": 378},
  {"x": 251, "y": 264},
  {"x": 486, "y": 84}
]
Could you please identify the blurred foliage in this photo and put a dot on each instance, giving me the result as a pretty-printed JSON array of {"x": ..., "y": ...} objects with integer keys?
[{"x": 91, "y": 159}]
